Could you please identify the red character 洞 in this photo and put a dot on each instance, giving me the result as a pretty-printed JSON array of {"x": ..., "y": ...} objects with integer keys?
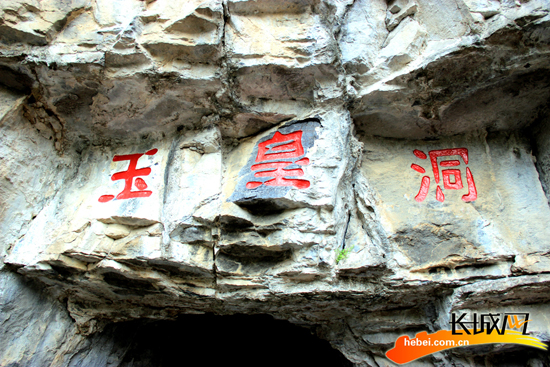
[
  {"x": 452, "y": 177},
  {"x": 274, "y": 156},
  {"x": 128, "y": 177}
]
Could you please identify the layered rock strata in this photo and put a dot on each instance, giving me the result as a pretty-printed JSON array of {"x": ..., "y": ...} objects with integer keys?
[{"x": 361, "y": 168}]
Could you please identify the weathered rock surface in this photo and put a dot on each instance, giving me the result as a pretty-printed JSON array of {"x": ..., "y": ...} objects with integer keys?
[{"x": 360, "y": 168}]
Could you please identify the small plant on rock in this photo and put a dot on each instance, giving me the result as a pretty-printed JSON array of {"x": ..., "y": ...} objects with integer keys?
[{"x": 342, "y": 254}]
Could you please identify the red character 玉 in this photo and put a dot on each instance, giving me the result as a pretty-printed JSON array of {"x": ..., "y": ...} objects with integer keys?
[
  {"x": 274, "y": 155},
  {"x": 128, "y": 177},
  {"x": 446, "y": 174}
]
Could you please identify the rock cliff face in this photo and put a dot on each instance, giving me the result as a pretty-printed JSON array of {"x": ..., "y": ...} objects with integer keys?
[{"x": 362, "y": 168}]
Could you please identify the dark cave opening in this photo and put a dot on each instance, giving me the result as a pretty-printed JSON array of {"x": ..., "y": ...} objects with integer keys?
[{"x": 212, "y": 340}]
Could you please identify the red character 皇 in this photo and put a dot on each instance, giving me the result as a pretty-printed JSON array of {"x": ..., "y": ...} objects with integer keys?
[
  {"x": 274, "y": 155},
  {"x": 128, "y": 177},
  {"x": 455, "y": 183}
]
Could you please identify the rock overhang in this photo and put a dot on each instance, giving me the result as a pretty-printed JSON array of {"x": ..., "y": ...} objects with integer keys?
[{"x": 367, "y": 84}]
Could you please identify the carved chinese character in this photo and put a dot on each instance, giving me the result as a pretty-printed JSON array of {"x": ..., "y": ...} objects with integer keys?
[
  {"x": 278, "y": 158},
  {"x": 128, "y": 177},
  {"x": 452, "y": 178},
  {"x": 277, "y": 175}
]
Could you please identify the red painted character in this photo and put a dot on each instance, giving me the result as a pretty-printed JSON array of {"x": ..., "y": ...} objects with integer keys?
[
  {"x": 128, "y": 177},
  {"x": 455, "y": 184},
  {"x": 274, "y": 155}
]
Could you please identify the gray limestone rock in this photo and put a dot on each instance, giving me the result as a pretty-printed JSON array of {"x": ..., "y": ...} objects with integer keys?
[{"x": 360, "y": 168}]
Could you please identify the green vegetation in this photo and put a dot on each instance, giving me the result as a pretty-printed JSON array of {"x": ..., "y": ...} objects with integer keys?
[{"x": 342, "y": 254}]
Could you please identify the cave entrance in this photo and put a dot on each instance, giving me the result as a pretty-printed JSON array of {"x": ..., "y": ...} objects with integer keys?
[{"x": 212, "y": 340}]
